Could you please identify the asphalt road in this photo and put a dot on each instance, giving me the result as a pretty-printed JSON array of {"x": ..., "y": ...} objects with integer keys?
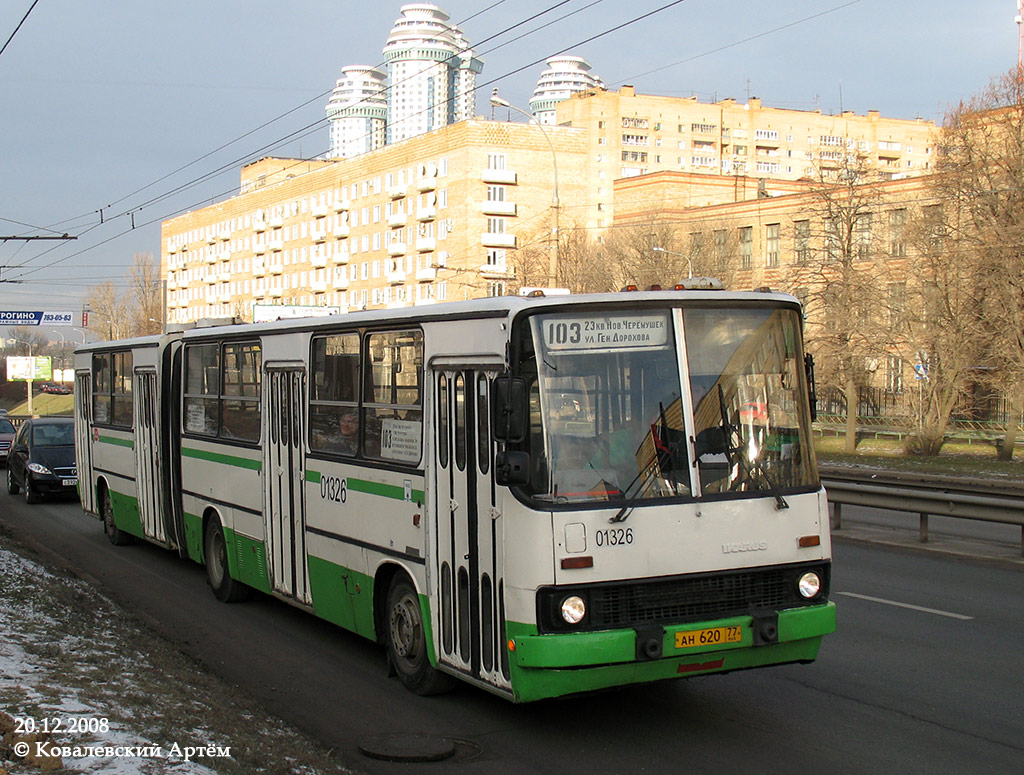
[{"x": 923, "y": 676}]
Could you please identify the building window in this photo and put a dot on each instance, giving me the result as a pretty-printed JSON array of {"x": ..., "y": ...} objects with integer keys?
[
  {"x": 746, "y": 246},
  {"x": 894, "y": 374},
  {"x": 496, "y": 257},
  {"x": 897, "y": 226},
  {"x": 802, "y": 241},
  {"x": 496, "y": 161},
  {"x": 496, "y": 193},
  {"x": 771, "y": 242},
  {"x": 862, "y": 236},
  {"x": 495, "y": 289},
  {"x": 495, "y": 225}
]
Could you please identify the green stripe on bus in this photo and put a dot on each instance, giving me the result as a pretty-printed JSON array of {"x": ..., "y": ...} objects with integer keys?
[
  {"x": 370, "y": 488},
  {"x": 217, "y": 457},
  {"x": 116, "y": 441}
]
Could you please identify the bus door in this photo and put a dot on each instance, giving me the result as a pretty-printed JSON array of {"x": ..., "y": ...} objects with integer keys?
[
  {"x": 469, "y": 558},
  {"x": 83, "y": 440},
  {"x": 147, "y": 454},
  {"x": 284, "y": 467}
]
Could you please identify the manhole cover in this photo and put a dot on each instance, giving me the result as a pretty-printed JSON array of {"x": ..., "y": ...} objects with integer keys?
[{"x": 408, "y": 748}]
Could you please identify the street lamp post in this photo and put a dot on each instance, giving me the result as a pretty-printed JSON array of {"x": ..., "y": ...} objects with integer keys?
[
  {"x": 554, "y": 251},
  {"x": 689, "y": 263}
]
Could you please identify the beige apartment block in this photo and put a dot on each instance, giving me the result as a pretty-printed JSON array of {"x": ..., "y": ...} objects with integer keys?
[
  {"x": 433, "y": 218},
  {"x": 630, "y": 134}
]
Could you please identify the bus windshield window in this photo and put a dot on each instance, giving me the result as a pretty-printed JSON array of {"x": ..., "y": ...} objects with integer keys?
[
  {"x": 749, "y": 399},
  {"x": 606, "y": 411}
]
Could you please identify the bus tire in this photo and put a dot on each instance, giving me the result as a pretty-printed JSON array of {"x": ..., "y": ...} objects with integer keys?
[
  {"x": 225, "y": 588},
  {"x": 115, "y": 535},
  {"x": 406, "y": 641}
]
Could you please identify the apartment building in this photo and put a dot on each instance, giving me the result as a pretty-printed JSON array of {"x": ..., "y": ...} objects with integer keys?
[
  {"x": 630, "y": 134},
  {"x": 436, "y": 217}
]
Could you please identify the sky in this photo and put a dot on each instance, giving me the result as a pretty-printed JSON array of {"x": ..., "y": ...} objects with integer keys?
[{"x": 131, "y": 112}]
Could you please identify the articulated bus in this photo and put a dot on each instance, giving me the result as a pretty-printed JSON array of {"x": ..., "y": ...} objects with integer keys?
[{"x": 539, "y": 496}]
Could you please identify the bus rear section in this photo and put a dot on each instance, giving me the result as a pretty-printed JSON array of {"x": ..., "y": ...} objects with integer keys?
[{"x": 664, "y": 516}]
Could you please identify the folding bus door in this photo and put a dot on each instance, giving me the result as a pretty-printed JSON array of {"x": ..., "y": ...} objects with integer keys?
[
  {"x": 83, "y": 440},
  {"x": 468, "y": 553},
  {"x": 284, "y": 470},
  {"x": 147, "y": 454}
]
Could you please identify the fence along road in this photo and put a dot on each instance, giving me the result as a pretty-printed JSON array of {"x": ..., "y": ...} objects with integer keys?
[{"x": 924, "y": 494}]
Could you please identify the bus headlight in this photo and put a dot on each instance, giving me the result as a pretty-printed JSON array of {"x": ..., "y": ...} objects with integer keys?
[
  {"x": 809, "y": 585},
  {"x": 573, "y": 609}
]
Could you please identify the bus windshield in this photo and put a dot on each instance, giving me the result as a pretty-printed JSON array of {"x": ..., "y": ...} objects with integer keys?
[{"x": 611, "y": 421}]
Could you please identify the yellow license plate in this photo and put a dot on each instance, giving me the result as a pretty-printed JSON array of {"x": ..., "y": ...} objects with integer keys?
[{"x": 713, "y": 636}]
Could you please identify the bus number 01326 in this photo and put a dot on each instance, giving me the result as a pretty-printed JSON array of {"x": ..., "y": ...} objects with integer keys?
[{"x": 333, "y": 488}]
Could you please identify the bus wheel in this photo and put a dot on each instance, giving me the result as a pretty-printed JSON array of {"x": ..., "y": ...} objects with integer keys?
[
  {"x": 225, "y": 588},
  {"x": 115, "y": 535},
  {"x": 406, "y": 642}
]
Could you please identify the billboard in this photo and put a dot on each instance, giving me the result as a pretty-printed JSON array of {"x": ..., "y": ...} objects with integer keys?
[
  {"x": 37, "y": 318},
  {"x": 25, "y": 368}
]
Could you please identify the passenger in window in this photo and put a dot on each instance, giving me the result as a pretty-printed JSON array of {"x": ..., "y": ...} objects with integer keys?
[{"x": 347, "y": 441}]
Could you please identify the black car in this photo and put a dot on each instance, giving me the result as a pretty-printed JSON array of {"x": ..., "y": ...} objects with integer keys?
[{"x": 42, "y": 459}]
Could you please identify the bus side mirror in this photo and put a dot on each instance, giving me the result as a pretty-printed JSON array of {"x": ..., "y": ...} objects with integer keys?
[
  {"x": 510, "y": 409},
  {"x": 512, "y": 468}
]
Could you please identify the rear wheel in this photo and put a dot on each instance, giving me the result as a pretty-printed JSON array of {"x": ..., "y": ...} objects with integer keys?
[
  {"x": 12, "y": 486},
  {"x": 407, "y": 644},
  {"x": 225, "y": 588},
  {"x": 115, "y": 535}
]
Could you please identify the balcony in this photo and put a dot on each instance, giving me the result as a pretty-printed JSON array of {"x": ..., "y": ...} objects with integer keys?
[
  {"x": 318, "y": 260},
  {"x": 426, "y": 184},
  {"x": 498, "y": 240},
  {"x": 277, "y": 268},
  {"x": 318, "y": 211},
  {"x": 259, "y": 226},
  {"x": 259, "y": 250},
  {"x": 211, "y": 240},
  {"x": 341, "y": 258},
  {"x": 318, "y": 286},
  {"x": 342, "y": 231},
  {"x": 340, "y": 282},
  {"x": 428, "y": 213},
  {"x": 397, "y": 192},
  {"x": 503, "y": 177},
  {"x": 396, "y": 304},
  {"x": 258, "y": 269},
  {"x": 424, "y": 302},
  {"x": 210, "y": 258},
  {"x": 276, "y": 245},
  {"x": 275, "y": 222},
  {"x": 319, "y": 237},
  {"x": 427, "y": 275},
  {"x": 398, "y": 219},
  {"x": 224, "y": 277},
  {"x": 498, "y": 208},
  {"x": 397, "y": 249},
  {"x": 341, "y": 206},
  {"x": 210, "y": 279},
  {"x": 426, "y": 244},
  {"x": 276, "y": 293},
  {"x": 224, "y": 235},
  {"x": 396, "y": 277}
]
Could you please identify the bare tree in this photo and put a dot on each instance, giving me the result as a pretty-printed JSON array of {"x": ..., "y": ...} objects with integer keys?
[
  {"x": 980, "y": 169},
  {"x": 844, "y": 296},
  {"x": 137, "y": 311}
]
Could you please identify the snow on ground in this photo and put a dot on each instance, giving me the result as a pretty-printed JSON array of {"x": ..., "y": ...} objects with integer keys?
[{"x": 115, "y": 698}]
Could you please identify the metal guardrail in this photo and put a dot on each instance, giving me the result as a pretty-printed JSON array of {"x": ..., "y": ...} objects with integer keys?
[{"x": 925, "y": 495}]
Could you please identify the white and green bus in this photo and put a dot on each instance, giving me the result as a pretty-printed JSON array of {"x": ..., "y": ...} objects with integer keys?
[{"x": 540, "y": 496}]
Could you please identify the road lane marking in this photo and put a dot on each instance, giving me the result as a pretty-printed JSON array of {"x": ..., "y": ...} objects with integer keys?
[{"x": 906, "y": 605}]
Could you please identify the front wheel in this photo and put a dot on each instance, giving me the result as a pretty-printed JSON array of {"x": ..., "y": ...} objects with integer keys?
[
  {"x": 115, "y": 535},
  {"x": 225, "y": 588},
  {"x": 12, "y": 486},
  {"x": 406, "y": 642}
]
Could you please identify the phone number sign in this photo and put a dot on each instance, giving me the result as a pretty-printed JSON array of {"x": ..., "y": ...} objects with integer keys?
[{"x": 37, "y": 318}]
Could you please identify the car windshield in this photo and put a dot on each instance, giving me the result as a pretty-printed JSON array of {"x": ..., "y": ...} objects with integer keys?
[
  {"x": 610, "y": 422},
  {"x": 6, "y": 426},
  {"x": 53, "y": 435}
]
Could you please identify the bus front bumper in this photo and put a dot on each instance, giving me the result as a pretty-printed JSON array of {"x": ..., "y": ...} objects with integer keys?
[{"x": 553, "y": 665}]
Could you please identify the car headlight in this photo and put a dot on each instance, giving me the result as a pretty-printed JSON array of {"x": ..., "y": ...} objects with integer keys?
[
  {"x": 809, "y": 585},
  {"x": 36, "y": 468},
  {"x": 573, "y": 609}
]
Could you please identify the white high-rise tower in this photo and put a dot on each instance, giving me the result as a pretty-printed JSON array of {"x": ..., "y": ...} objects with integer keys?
[
  {"x": 357, "y": 111},
  {"x": 431, "y": 73},
  {"x": 565, "y": 76}
]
